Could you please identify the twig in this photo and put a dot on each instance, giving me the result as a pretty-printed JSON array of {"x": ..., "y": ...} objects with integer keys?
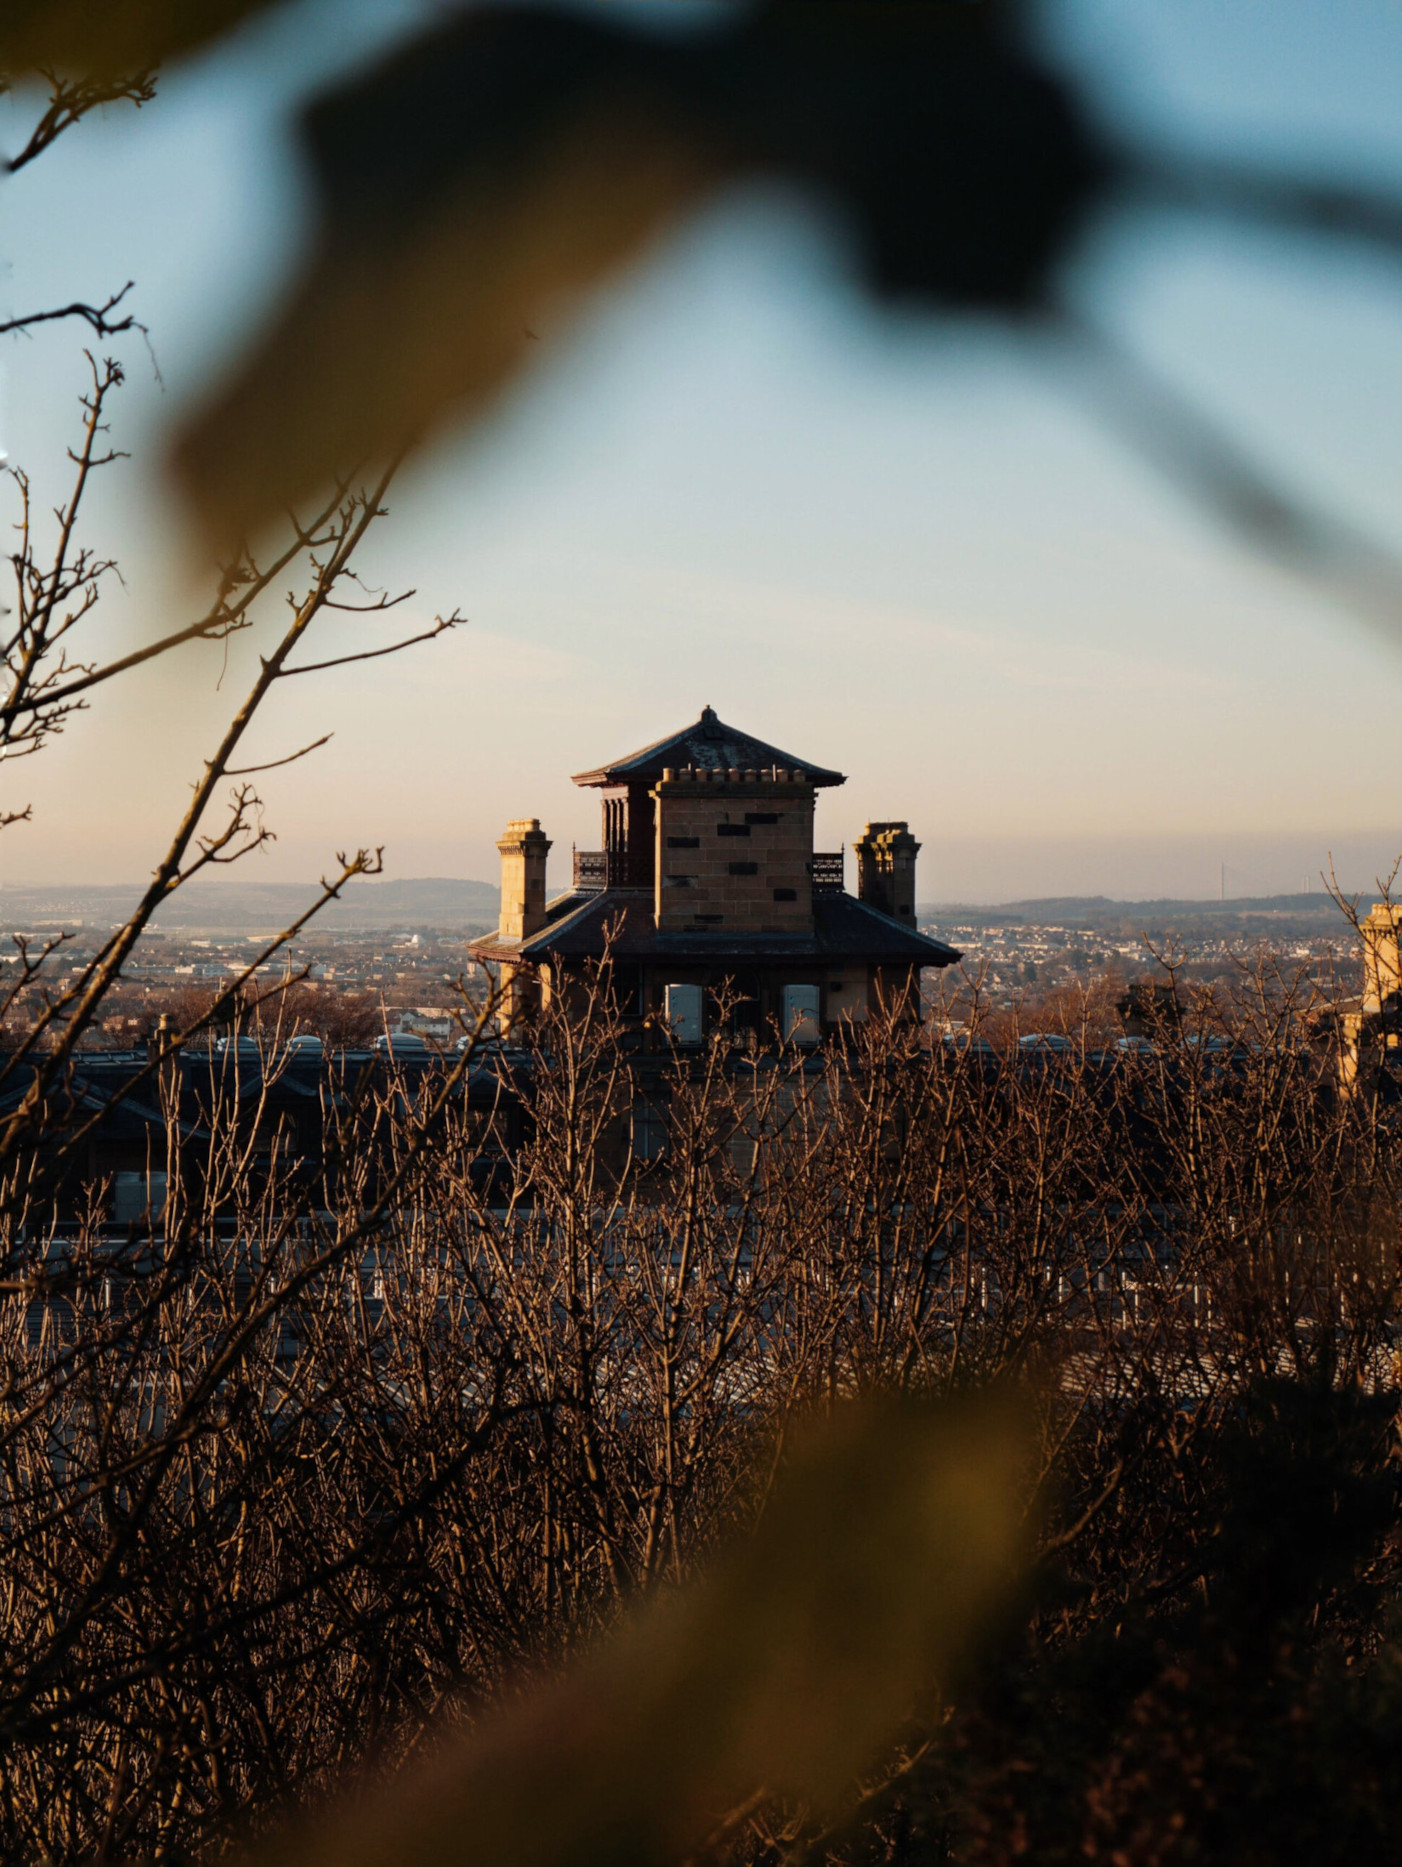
[
  {"x": 443, "y": 624},
  {"x": 248, "y": 771}
]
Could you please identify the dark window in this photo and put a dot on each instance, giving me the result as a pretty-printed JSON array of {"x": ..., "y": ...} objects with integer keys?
[
  {"x": 732, "y": 829},
  {"x": 683, "y": 842},
  {"x": 708, "y": 920},
  {"x": 761, "y": 816},
  {"x": 744, "y": 868},
  {"x": 786, "y": 894}
]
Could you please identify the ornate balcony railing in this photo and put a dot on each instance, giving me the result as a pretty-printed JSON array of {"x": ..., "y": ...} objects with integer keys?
[
  {"x": 828, "y": 872},
  {"x": 607, "y": 868},
  {"x": 590, "y": 868}
]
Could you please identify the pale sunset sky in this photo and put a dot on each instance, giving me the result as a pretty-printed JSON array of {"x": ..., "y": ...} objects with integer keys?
[{"x": 907, "y": 547}]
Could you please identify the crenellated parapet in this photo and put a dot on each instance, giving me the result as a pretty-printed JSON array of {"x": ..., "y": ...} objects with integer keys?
[{"x": 673, "y": 777}]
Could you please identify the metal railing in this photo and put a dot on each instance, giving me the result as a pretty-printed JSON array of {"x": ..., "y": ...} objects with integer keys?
[
  {"x": 828, "y": 872},
  {"x": 590, "y": 868}
]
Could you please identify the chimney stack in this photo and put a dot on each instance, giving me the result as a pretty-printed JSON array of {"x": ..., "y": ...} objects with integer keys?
[
  {"x": 886, "y": 855},
  {"x": 523, "y": 848},
  {"x": 1382, "y": 956}
]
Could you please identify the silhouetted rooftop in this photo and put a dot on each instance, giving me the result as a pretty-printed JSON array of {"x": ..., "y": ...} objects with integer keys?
[{"x": 710, "y": 744}]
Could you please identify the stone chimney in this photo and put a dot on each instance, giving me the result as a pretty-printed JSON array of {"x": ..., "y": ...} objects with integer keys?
[
  {"x": 523, "y": 848},
  {"x": 163, "y": 1051},
  {"x": 886, "y": 855},
  {"x": 1382, "y": 963}
]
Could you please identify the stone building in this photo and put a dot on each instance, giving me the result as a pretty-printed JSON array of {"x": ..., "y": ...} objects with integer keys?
[
  {"x": 709, "y": 898},
  {"x": 1370, "y": 1027}
]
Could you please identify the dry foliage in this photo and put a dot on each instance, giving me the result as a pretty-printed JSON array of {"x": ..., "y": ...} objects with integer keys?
[{"x": 295, "y": 1473}]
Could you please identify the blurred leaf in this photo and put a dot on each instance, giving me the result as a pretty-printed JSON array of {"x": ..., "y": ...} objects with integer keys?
[
  {"x": 891, "y": 1540},
  {"x": 103, "y": 39},
  {"x": 380, "y": 336},
  {"x": 476, "y": 182}
]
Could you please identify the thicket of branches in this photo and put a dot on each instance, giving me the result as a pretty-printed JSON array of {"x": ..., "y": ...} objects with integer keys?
[{"x": 290, "y": 1474}]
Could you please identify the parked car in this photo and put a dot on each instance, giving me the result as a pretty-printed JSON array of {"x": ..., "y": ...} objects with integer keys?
[
  {"x": 404, "y": 1044},
  {"x": 240, "y": 1048}
]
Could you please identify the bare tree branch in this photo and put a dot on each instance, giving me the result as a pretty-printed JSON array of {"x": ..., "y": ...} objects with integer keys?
[
  {"x": 70, "y": 100},
  {"x": 99, "y": 317},
  {"x": 248, "y": 771},
  {"x": 440, "y": 627}
]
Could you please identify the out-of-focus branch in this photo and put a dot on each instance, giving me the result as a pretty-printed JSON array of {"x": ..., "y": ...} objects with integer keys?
[
  {"x": 100, "y": 317},
  {"x": 1264, "y": 197},
  {"x": 70, "y": 100},
  {"x": 1220, "y": 474}
]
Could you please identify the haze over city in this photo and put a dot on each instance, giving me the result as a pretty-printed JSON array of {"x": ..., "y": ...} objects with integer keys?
[{"x": 907, "y": 547}]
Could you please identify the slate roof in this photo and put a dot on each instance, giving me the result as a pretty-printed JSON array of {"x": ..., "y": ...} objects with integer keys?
[
  {"x": 845, "y": 929},
  {"x": 98, "y": 1084},
  {"x": 709, "y": 743}
]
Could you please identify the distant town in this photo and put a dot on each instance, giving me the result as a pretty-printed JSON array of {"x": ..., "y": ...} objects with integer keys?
[
  {"x": 393, "y": 957},
  {"x": 1024, "y": 949},
  {"x": 391, "y": 962}
]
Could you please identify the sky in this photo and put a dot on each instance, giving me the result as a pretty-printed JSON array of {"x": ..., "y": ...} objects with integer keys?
[{"x": 907, "y": 547}]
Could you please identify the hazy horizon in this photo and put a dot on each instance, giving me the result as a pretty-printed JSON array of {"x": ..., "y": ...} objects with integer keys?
[{"x": 248, "y": 878}]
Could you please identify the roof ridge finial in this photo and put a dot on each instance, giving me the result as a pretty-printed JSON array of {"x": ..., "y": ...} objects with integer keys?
[{"x": 709, "y": 722}]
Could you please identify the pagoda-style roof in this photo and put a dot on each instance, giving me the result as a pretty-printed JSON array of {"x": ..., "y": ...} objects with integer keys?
[
  {"x": 710, "y": 744},
  {"x": 621, "y": 924}
]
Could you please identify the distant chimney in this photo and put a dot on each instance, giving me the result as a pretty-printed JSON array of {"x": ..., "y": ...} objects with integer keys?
[
  {"x": 162, "y": 1050},
  {"x": 886, "y": 855},
  {"x": 523, "y": 848}
]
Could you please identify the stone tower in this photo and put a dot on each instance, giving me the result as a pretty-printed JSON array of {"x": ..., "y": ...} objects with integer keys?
[
  {"x": 523, "y": 848},
  {"x": 710, "y": 904},
  {"x": 734, "y": 851},
  {"x": 886, "y": 855}
]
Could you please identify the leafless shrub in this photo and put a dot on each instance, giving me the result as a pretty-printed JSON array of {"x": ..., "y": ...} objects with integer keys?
[{"x": 297, "y": 1463}]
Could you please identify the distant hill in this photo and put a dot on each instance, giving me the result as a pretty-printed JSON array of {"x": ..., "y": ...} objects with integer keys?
[
  {"x": 1100, "y": 914},
  {"x": 459, "y": 905},
  {"x": 219, "y": 905}
]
